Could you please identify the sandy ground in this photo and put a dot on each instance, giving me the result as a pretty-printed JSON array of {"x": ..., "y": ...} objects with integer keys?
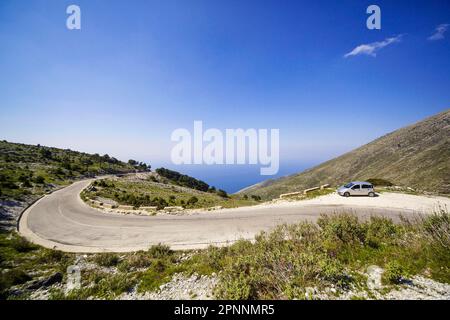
[{"x": 422, "y": 204}]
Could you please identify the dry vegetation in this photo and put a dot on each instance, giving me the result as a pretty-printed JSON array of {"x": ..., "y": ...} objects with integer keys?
[
  {"x": 416, "y": 156},
  {"x": 281, "y": 264}
]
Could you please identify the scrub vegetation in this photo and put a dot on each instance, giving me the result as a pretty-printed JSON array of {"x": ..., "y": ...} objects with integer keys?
[
  {"x": 33, "y": 170},
  {"x": 156, "y": 190},
  {"x": 281, "y": 264},
  {"x": 415, "y": 156}
]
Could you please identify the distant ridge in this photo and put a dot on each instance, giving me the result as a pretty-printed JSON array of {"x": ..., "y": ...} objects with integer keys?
[{"x": 417, "y": 156}]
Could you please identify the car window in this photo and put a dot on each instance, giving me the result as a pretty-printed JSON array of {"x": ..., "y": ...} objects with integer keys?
[
  {"x": 366, "y": 186},
  {"x": 356, "y": 187},
  {"x": 348, "y": 185}
]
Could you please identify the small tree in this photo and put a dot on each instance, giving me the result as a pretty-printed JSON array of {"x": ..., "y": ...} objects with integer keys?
[
  {"x": 256, "y": 198},
  {"x": 39, "y": 179},
  {"x": 222, "y": 193},
  {"x": 192, "y": 200}
]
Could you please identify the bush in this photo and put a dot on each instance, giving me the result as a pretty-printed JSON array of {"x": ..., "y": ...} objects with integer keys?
[
  {"x": 160, "y": 251},
  {"x": 380, "y": 182},
  {"x": 22, "y": 245},
  {"x": 379, "y": 231},
  {"x": 112, "y": 286},
  {"x": 137, "y": 260},
  {"x": 436, "y": 229},
  {"x": 235, "y": 288},
  {"x": 394, "y": 273},
  {"x": 11, "y": 278},
  {"x": 51, "y": 256},
  {"x": 106, "y": 259},
  {"x": 334, "y": 272},
  {"x": 159, "y": 273},
  {"x": 342, "y": 228},
  {"x": 100, "y": 285},
  {"x": 222, "y": 193},
  {"x": 192, "y": 200},
  {"x": 39, "y": 179},
  {"x": 183, "y": 180},
  {"x": 278, "y": 264}
]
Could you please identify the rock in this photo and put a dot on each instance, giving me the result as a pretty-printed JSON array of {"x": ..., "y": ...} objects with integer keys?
[
  {"x": 374, "y": 277},
  {"x": 180, "y": 287},
  {"x": 15, "y": 292},
  {"x": 309, "y": 293},
  {"x": 45, "y": 282}
]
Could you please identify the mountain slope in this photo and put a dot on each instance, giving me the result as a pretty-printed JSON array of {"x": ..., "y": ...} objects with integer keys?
[
  {"x": 28, "y": 171},
  {"x": 417, "y": 156}
]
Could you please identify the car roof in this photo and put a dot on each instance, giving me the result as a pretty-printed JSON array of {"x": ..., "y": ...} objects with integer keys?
[{"x": 361, "y": 182}]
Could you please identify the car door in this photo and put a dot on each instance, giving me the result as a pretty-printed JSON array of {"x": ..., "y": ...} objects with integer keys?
[
  {"x": 365, "y": 189},
  {"x": 355, "y": 190}
]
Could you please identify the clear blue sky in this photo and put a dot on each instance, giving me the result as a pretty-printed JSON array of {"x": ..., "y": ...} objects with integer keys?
[{"x": 140, "y": 69}]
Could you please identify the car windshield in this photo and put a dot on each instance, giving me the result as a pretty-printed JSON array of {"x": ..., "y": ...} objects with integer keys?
[{"x": 348, "y": 185}]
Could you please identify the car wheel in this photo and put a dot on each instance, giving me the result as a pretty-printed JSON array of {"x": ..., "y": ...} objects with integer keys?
[
  {"x": 371, "y": 194},
  {"x": 346, "y": 194}
]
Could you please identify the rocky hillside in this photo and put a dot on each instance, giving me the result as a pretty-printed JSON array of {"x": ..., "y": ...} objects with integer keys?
[
  {"x": 417, "y": 156},
  {"x": 28, "y": 171}
]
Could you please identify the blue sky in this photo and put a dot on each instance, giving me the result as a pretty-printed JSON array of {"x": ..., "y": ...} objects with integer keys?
[{"x": 137, "y": 70}]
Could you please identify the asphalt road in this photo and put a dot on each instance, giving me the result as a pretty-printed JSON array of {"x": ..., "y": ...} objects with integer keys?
[{"x": 63, "y": 221}]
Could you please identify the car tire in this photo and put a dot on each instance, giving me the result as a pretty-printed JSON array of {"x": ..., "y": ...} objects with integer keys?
[
  {"x": 371, "y": 194},
  {"x": 346, "y": 194}
]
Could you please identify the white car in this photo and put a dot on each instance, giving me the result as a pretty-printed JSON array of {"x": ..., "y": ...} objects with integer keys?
[{"x": 357, "y": 188}]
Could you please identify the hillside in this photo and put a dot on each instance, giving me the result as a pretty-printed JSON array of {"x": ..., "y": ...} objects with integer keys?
[
  {"x": 28, "y": 171},
  {"x": 416, "y": 156},
  {"x": 153, "y": 189}
]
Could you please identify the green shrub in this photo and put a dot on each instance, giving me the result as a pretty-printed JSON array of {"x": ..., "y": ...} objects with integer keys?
[
  {"x": 107, "y": 259},
  {"x": 436, "y": 229},
  {"x": 22, "y": 245},
  {"x": 192, "y": 200},
  {"x": 340, "y": 230},
  {"x": 334, "y": 272},
  {"x": 52, "y": 256},
  {"x": 12, "y": 277},
  {"x": 379, "y": 231},
  {"x": 278, "y": 262},
  {"x": 380, "y": 182},
  {"x": 393, "y": 273},
  {"x": 111, "y": 286},
  {"x": 98, "y": 285},
  {"x": 39, "y": 179},
  {"x": 160, "y": 272},
  {"x": 137, "y": 260},
  {"x": 235, "y": 288},
  {"x": 160, "y": 251},
  {"x": 222, "y": 193}
]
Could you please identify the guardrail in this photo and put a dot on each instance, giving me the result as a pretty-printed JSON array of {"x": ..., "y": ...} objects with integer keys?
[{"x": 304, "y": 192}]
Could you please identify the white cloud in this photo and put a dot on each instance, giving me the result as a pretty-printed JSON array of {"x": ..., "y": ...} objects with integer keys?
[
  {"x": 371, "y": 49},
  {"x": 439, "y": 32}
]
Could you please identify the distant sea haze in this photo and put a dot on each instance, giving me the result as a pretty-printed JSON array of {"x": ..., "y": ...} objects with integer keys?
[{"x": 233, "y": 178}]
